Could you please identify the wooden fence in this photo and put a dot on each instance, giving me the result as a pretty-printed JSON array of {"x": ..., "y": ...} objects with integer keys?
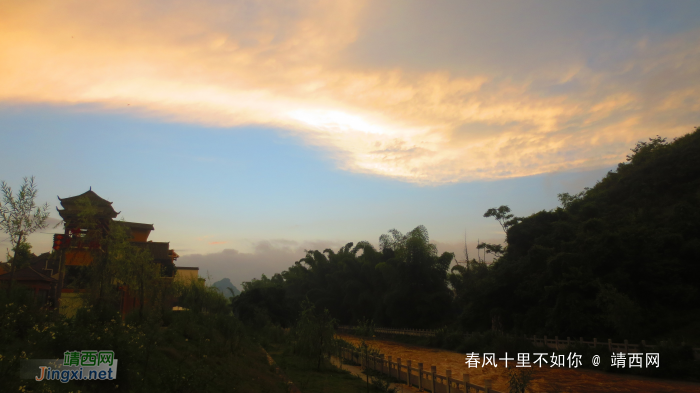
[
  {"x": 555, "y": 343},
  {"x": 405, "y": 332},
  {"x": 417, "y": 376}
]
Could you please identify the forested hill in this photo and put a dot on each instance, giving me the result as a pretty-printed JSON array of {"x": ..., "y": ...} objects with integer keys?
[
  {"x": 622, "y": 258},
  {"x": 618, "y": 260}
]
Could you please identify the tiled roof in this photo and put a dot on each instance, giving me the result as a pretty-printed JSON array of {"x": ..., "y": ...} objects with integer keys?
[
  {"x": 39, "y": 261},
  {"x": 44, "y": 264},
  {"x": 27, "y": 274},
  {"x": 94, "y": 198},
  {"x": 136, "y": 225},
  {"x": 160, "y": 250},
  {"x": 70, "y": 204}
]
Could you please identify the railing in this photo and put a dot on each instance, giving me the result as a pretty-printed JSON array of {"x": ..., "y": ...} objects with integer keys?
[
  {"x": 406, "y": 332},
  {"x": 417, "y": 376},
  {"x": 555, "y": 343}
]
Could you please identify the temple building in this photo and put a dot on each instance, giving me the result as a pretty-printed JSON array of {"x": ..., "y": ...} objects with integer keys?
[{"x": 78, "y": 245}]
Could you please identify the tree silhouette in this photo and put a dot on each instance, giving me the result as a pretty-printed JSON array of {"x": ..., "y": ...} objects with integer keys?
[{"x": 20, "y": 216}]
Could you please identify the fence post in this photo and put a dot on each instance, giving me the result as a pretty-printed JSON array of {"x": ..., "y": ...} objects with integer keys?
[
  {"x": 408, "y": 372},
  {"x": 448, "y": 374},
  {"x": 382, "y": 357},
  {"x": 433, "y": 370},
  {"x": 487, "y": 385},
  {"x": 420, "y": 376},
  {"x": 610, "y": 345},
  {"x": 465, "y": 379},
  {"x": 398, "y": 369}
]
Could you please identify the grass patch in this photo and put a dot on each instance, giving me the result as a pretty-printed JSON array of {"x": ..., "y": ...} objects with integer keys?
[
  {"x": 311, "y": 380},
  {"x": 246, "y": 370}
]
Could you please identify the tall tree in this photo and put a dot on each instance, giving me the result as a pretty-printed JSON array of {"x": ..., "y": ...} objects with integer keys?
[
  {"x": 20, "y": 216},
  {"x": 506, "y": 220},
  {"x": 417, "y": 278}
]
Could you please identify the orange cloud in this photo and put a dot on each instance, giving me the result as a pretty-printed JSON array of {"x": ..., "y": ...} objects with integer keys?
[{"x": 228, "y": 65}]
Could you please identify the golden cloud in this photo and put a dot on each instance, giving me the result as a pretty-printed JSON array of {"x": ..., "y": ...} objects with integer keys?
[{"x": 277, "y": 64}]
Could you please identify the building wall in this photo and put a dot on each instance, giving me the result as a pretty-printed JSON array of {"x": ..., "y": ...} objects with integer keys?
[
  {"x": 78, "y": 257},
  {"x": 139, "y": 236},
  {"x": 186, "y": 275}
]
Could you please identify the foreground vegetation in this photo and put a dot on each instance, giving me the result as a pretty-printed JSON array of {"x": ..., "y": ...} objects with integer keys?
[
  {"x": 185, "y": 351},
  {"x": 202, "y": 348}
]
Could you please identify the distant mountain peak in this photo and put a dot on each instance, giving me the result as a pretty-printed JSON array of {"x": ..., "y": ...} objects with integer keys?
[{"x": 222, "y": 286}]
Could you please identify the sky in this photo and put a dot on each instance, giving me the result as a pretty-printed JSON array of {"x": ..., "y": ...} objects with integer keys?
[{"x": 248, "y": 132}]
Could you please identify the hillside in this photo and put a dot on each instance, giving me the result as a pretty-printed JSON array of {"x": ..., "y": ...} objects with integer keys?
[{"x": 621, "y": 258}]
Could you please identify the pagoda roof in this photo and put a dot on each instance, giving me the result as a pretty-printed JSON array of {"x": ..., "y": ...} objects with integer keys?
[
  {"x": 87, "y": 194},
  {"x": 70, "y": 205}
]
